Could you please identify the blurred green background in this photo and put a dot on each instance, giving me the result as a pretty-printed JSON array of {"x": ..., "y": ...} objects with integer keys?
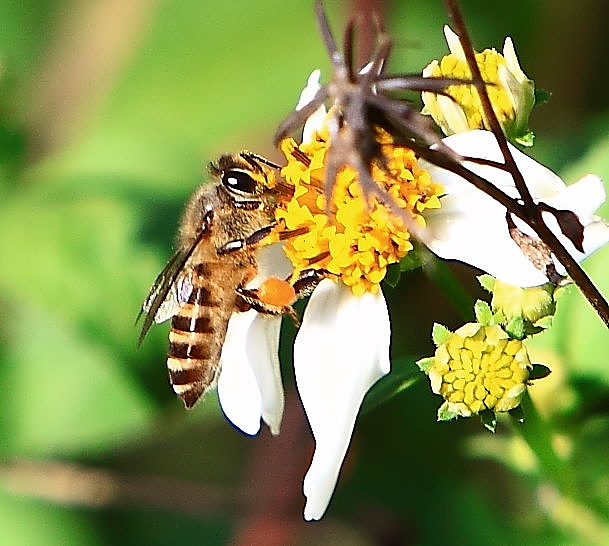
[{"x": 109, "y": 111}]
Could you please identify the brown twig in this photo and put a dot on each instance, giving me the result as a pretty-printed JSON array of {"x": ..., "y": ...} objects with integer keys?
[{"x": 528, "y": 211}]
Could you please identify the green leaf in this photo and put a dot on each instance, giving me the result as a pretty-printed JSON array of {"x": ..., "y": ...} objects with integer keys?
[
  {"x": 63, "y": 392},
  {"x": 72, "y": 279},
  {"x": 404, "y": 375},
  {"x": 392, "y": 277},
  {"x": 32, "y": 522}
]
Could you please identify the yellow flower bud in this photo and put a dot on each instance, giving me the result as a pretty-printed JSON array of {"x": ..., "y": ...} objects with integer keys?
[
  {"x": 478, "y": 368},
  {"x": 512, "y": 94},
  {"x": 532, "y": 304}
]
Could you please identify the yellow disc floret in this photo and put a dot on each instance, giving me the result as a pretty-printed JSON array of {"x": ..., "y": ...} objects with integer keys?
[
  {"x": 467, "y": 97},
  {"x": 480, "y": 368},
  {"x": 351, "y": 238},
  {"x": 511, "y": 93}
]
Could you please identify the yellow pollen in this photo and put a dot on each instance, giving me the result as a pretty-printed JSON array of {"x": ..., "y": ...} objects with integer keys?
[{"x": 351, "y": 238}]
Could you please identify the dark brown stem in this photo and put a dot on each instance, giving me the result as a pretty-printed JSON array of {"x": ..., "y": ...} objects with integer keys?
[{"x": 529, "y": 212}]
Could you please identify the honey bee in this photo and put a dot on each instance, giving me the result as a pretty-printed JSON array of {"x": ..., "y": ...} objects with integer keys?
[{"x": 205, "y": 280}]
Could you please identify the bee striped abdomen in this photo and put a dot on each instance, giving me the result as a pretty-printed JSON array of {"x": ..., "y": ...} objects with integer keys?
[{"x": 195, "y": 339}]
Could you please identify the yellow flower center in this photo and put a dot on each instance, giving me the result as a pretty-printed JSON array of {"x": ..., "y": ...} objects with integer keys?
[
  {"x": 467, "y": 97},
  {"x": 480, "y": 367},
  {"x": 351, "y": 238}
]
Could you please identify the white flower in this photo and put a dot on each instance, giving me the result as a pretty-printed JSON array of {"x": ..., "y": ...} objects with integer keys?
[
  {"x": 471, "y": 227},
  {"x": 341, "y": 350}
]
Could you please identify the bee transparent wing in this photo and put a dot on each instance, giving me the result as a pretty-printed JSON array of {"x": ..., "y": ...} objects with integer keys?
[
  {"x": 170, "y": 290},
  {"x": 178, "y": 294}
]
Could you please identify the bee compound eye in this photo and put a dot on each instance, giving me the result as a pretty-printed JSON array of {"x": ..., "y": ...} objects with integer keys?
[{"x": 240, "y": 181}]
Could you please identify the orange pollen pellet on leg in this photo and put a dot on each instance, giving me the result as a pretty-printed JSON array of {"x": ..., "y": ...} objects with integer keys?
[{"x": 278, "y": 292}]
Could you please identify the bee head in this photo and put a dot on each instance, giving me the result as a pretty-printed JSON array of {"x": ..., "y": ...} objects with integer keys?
[{"x": 247, "y": 178}]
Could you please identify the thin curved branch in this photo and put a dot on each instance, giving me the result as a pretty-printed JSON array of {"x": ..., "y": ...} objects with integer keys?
[{"x": 531, "y": 213}]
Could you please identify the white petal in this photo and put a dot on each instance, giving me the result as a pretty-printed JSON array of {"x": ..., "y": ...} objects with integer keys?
[
  {"x": 470, "y": 226},
  {"x": 583, "y": 197},
  {"x": 428, "y": 72},
  {"x": 509, "y": 84},
  {"x": 238, "y": 390},
  {"x": 315, "y": 122},
  {"x": 511, "y": 60},
  {"x": 249, "y": 386},
  {"x": 542, "y": 182},
  {"x": 310, "y": 90},
  {"x": 455, "y": 120},
  {"x": 341, "y": 350},
  {"x": 596, "y": 235},
  {"x": 262, "y": 345},
  {"x": 454, "y": 44}
]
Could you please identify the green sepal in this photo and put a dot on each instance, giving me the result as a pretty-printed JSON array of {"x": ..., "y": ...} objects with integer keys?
[
  {"x": 411, "y": 261},
  {"x": 392, "y": 277},
  {"x": 446, "y": 414},
  {"x": 562, "y": 289},
  {"x": 539, "y": 371},
  {"x": 517, "y": 415},
  {"x": 440, "y": 334},
  {"x": 515, "y": 328},
  {"x": 526, "y": 140},
  {"x": 426, "y": 363},
  {"x": 544, "y": 322},
  {"x": 542, "y": 96},
  {"x": 489, "y": 420},
  {"x": 483, "y": 313},
  {"x": 499, "y": 317},
  {"x": 487, "y": 282}
]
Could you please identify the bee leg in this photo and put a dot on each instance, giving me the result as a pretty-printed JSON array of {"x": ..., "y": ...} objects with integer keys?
[
  {"x": 308, "y": 280},
  {"x": 249, "y": 299},
  {"x": 303, "y": 286},
  {"x": 258, "y": 236},
  {"x": 251, "y": 240}
]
